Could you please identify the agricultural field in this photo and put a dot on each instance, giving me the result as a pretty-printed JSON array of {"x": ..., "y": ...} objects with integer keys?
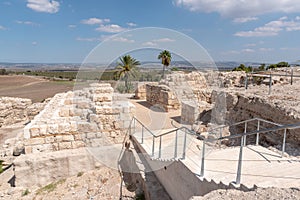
[{"x": 35, "y": 88}]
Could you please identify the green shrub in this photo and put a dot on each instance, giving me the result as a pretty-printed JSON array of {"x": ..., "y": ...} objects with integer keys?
[
  {"x": 50, "y": 187},
  {"x": 26, "y": 192},
  {"x": 79, "y": 174}
]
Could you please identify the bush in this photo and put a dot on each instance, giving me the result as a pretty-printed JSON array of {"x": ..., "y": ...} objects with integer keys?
[
  {"x": 26, "y": 192},
  {"x": 121, "y": 88}
]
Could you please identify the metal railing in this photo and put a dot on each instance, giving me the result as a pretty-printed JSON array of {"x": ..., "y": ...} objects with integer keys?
[
  {"x": 269, "y": 76},
  {"x": 259, "y": 130},
  {"x": 144, "y": 131}
]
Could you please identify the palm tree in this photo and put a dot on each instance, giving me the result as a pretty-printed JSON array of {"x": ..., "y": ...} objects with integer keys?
[
  {"x": 165, "y": 57},
  {"x": 126, "y": 68}
]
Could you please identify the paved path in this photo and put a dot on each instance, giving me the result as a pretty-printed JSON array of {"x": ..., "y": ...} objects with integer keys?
[{"x": 260, "y": 166}]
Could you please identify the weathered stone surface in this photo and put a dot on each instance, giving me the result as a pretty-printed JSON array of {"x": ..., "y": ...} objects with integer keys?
[
  {"x": 75, "y": 117},
  {"x": 43, "y": 168},
  {"x": 160, "y": 95},
  {"x": 15, "y": 110}
]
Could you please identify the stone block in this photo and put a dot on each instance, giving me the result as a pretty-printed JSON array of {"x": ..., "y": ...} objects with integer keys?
[
  {"x": 83, "y": 104},
  {"x": 64, "y": 128},
  {"x": 86, "y": 127},
  {"x": 64, "y": 112},
  {"x": 34, "y": 131},
  {"x": 52, "y": 128},
  {"x": 65, "y": 145},
  {"x": 67, "y": 138},
  {"x": 49, "y": 139},
  {"x": 78, "y": 144},
  {"x": 91, "y": 135},
  {"x": 101, "y": 110},
  {"x": 35, "y": 141},
  {"x": 73, "y": 127},
  {"x": 103, "y": 97},
  {"x": 58, "y": 138}
]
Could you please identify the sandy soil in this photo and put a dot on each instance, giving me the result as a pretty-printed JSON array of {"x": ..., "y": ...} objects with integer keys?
[{"x": 35, "y": 88}]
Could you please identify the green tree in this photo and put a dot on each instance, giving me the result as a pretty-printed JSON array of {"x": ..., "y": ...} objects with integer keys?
[
  {"x": 283, "y": 64},
  {"x": 242, "y": 67},
  {"x": 126, "y": 68},
  {"x": 262, "y": 67},
  {"x": 165, "y": 57},
  {"x": 3, "y": 72}
]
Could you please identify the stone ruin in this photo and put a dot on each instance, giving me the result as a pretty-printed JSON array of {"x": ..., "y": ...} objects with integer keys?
[
  {"x": 16, "y": 110},
  {"x": 82, "y": 118},
  {"x": 188, "y": 91}
]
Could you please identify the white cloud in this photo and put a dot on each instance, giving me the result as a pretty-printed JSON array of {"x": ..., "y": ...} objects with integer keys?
[
  {"x": 250, "y": 45},
  {"x": 163, "y": 40},
  {"x": 27, "y": 23},
  {"x": 2, "y": 28},
  {"x": 244, "y": 19},
  {"x": 93, "y": 20},
  {"x": 151, "y": 44},
  {"x": 48, "y": 6},
  {"x": 72, "y": 26},
  {"x": 272, "y": 28},
  {"x": 110, "y": 28},
  {"x": 248, "y": 50},
  {"x": 241, "y": 8},
  {"x": 230, "y": 52},
  {"x": 156, "y": 41},
  {"x": 131, "y": 24},
  {"x": 266, "y": 49},
  {"x": 121, "y": 39},
  {"x": 34, "y": 43}
]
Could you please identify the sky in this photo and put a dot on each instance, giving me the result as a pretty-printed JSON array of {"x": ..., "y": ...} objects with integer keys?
[{"x": 66, "y": 31}]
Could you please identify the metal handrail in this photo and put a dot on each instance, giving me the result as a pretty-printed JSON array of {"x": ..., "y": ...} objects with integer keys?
[
  {"x": 207, "y": 141},
  {"x": 242, "y": 122},
  {"x": 281, "y": 127}
]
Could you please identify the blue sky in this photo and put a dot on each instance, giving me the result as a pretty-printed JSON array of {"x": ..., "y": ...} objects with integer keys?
[{"x": 230, "y": 30}]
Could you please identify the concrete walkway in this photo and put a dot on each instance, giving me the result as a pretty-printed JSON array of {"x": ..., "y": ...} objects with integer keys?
[{"x": 260, "y": 166}]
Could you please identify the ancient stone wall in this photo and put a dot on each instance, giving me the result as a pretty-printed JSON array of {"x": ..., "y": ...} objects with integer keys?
[
  {"x": 190, "y": 112},
  {"x": 162, "y": 96},
  {"x": 244, "y": 106},
  {"x": 140, "y": 91},
  {"x": 15, "y": 110},
  {"x": 77, "y": 119}
]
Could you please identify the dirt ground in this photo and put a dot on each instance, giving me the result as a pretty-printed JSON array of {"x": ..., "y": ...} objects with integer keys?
[{"x": 35, "y": 88}]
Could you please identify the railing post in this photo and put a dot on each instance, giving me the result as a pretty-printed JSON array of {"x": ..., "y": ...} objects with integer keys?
[
  {"x": 176, "y": 136},
  {"x": 257, "y": 135},
  {"x": 134, "y": 125},
  {"x": 292, "y": 74},
  {"x": 184, "y": 145},
  {"x": 153, "y": 142},
  {"x": 142, "y": 134},
  {"x": 239, "y": 170},
  {"x": 245, "y": 137},
  {"x": 246, "y": 82},
  {"x": 283, "y": 143},
  {"x": 202, "y": 159},
  {"x": 270, "y": 83},
  {"x": 159, "y": 152},
  {"x": 220, "y": 142}
]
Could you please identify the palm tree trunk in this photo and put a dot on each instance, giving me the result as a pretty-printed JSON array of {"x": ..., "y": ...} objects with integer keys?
[
  {"x": 126, "y": 83},
  {"x": 163, "y": 75}
]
